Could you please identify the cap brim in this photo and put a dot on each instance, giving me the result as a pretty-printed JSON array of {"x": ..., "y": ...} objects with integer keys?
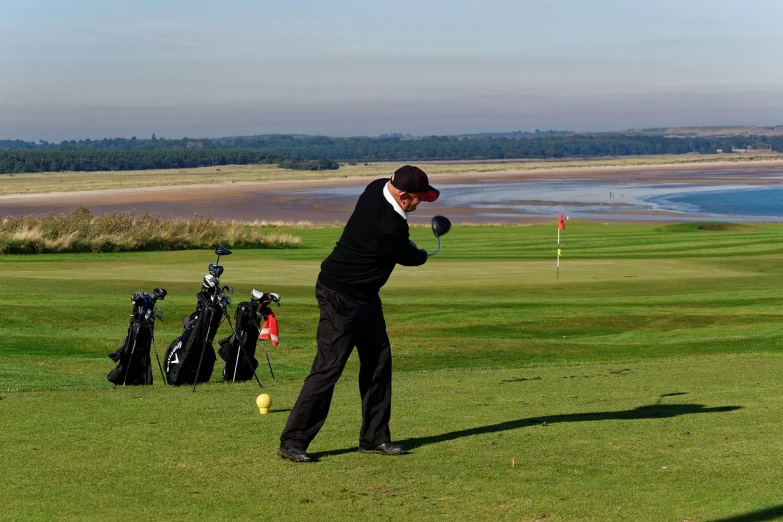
[{"x": 429, "y": 196}]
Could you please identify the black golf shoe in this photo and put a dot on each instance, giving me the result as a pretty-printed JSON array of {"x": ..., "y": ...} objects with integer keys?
[
  {"x": 295, "y": 454},
  {"x": 387, "y": 448}
]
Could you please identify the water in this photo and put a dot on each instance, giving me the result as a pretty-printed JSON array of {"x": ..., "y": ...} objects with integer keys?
[
  {"x": 764, "y": 202},
  {"x": 593, "y": 200}
]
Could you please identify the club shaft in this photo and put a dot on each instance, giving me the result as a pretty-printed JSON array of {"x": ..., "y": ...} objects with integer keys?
[{"x": 436, "y": 250}]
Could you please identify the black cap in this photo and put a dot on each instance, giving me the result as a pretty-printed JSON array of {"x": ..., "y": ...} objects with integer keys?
[{"x": 414, "y": 181}]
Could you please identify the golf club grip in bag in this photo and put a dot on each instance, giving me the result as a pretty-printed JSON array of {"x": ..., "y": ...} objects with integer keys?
[
  {"x": 182, "y": 357},
  {"x": 134, "y": 366},
  {"x": 246, "y": 327}
]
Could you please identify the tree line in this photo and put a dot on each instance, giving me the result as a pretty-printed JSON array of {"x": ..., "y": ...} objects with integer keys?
[
  {"x": 19, "y": 161},
  {"x": 324, "y": 153},
  {"x": 480, "y": 148}
]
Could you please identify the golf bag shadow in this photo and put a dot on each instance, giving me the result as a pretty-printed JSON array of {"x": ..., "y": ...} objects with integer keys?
[
  {"x": 246, "y": 328},
  {"x": 181, "y": 361},
  {"x": 134, "y": 366}
]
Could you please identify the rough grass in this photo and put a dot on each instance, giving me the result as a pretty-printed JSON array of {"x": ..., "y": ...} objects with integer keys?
[{"x": 80, "y": 231}]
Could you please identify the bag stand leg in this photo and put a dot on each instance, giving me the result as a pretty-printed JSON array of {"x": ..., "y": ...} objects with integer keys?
[
  {"x": 267, "y": 355},
  {"x": 225, "y": 312},
  {"x": 133, "y": 349},
  {"x": 200, "y": 359},
  {"x": 236, "y": 363},
  {"x": 162, "y": 375}
]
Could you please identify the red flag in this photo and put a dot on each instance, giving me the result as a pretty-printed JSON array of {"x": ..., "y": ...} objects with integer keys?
[
  {"x": 269, "y": 330},
  {"x": 560, "y": 223}
]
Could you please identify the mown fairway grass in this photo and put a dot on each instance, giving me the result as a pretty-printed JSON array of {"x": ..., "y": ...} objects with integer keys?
[{"x": 643, "y": 384}]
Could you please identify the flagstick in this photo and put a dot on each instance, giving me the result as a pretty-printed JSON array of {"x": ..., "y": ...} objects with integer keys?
[{"x": 558, "y": 252}]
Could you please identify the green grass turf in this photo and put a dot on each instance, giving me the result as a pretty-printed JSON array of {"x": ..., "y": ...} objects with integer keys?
[{"x": 643, "y": 384}]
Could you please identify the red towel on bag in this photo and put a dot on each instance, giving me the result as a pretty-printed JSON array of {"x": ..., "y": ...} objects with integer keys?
[{"x": 269, "y": 330}]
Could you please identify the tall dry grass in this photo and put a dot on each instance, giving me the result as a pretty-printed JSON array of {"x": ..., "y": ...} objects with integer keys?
[{"x": 80, "y": 231}]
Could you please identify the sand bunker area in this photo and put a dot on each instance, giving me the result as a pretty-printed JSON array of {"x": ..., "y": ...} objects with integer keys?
[{"x": 331, "y": 199}]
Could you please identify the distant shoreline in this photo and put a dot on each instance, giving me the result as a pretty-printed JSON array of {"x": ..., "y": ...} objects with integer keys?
[
  {"x": 271, "y": 199},
  {"x": 532, "y": 169}
]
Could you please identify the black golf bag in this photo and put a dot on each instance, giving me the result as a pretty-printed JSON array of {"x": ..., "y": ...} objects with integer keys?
[
  {"x": 134, "y": 366},
  {"x": 246, "y": 328},
  {"x": 181, "y": 362}
]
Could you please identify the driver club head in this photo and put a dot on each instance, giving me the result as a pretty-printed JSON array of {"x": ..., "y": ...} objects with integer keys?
[
  {"x": 159, "y": 294},
  {"x": 440, "y": 225},
  {"x": 256, "y": 295},
  {"x": 215, "y": 270},
  {"x": 221, "y": 251}
]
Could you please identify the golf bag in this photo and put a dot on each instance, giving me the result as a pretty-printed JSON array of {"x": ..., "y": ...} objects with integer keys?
[
  {"x": 246, "y": 328},
  {"x": 181, "y": 361},
  {"x": 134, "y": 366}
]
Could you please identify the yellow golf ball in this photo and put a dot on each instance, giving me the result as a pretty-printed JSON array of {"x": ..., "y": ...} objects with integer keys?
[{"x": 264, "y": 401}]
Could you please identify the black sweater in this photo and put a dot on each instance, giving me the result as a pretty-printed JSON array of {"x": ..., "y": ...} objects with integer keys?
[{"x": 375, "y": 239}]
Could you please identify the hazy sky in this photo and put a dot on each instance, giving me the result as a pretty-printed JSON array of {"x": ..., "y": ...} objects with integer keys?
[{"x": 91, "y": 69}]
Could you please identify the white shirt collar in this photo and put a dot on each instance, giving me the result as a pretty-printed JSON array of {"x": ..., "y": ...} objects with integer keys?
[{"x": 397, "y": 208}]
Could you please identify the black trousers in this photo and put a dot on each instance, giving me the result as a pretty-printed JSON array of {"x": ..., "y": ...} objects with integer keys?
[{"x": 345, "y": 323}]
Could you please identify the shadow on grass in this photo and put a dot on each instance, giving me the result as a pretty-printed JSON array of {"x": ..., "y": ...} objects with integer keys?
[
  {"x": 655, "y": 411},
  {"x": 774, "y": 513}
]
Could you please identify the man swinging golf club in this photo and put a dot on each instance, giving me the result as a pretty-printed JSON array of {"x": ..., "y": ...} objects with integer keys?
[{"x": 374, "y": 240}]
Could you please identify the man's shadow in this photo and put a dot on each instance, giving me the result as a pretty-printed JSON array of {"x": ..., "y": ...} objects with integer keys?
[
  {"x": 773, "y": 513},
  {"x": 653, "y": 411}
]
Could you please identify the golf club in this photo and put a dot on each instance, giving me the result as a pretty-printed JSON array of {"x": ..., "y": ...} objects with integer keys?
[
  {"x": 210, "y": 282},
  {"x": 440, "y": 225},
  {"x": 257, "y": 296},
  {"x": 221, "y": 251},
  {"x": 261, "y": 298}
]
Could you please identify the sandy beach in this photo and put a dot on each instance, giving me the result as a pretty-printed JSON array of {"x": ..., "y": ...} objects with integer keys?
[{"x": 330, "y": 200}]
